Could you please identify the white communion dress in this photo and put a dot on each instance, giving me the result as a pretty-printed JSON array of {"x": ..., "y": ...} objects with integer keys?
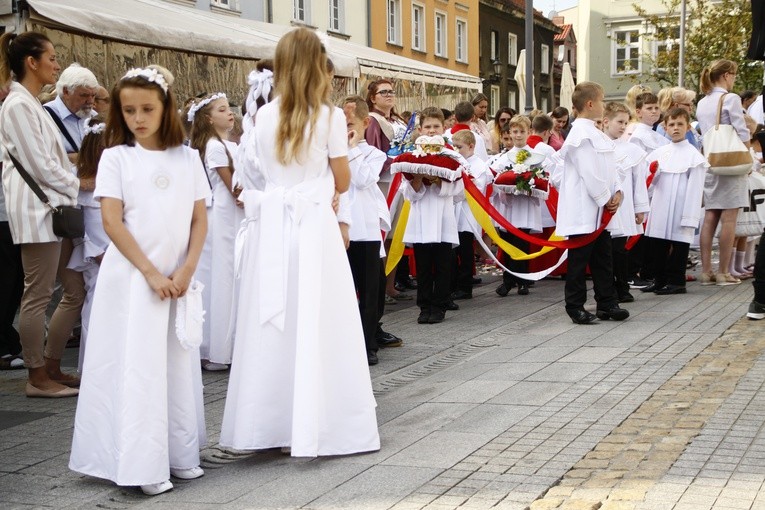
[
  {"x": 140, "y": 409},
  {"x": 299, "y": 376}
]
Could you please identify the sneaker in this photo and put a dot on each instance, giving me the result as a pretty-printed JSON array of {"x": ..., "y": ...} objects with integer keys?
[
  {"x": 211, "y": 366},
  {"x": 153, "y": 489},
  {"x": 637, "y": 283},
  {"x": 756, "y": 311},
  {"x": 187, "y": 474}
]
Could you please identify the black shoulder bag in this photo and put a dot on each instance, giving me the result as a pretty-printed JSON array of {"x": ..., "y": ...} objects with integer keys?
[
  {"x": 62, "y": 128},
  {"x": 68, "y": 221}
]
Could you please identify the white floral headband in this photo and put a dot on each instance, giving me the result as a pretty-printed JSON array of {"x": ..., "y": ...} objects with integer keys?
[
  {"x": 94, "y": 129},
  {"x": 201, "y": 104},
  {"x": 150, "y": 75}
]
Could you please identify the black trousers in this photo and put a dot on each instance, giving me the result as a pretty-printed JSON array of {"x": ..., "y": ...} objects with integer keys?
[
  {"x": 364, "y": 259},
  {"x": 759, "y": 272},
  {"x": 434, "y": 266},
  {"x": 621, "y": 265},
  {"x": 597, "y": 255},
  {"x": 11, "y": 289},
  {"x": 637, "y": 263},
  {"x": 463, "y": 279},
  {"x": 667, "y": 261},
  {"x": 518, "y": 266}
]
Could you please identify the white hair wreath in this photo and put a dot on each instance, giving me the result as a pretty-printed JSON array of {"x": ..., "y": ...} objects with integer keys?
[
  {"x": 150, "y": 75},
  {"x": 201, "y": 104},
  {"x": 94, "y": 129}
]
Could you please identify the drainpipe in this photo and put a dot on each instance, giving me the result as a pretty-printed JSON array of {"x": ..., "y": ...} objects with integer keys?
[{"x": 369, "y": 23}]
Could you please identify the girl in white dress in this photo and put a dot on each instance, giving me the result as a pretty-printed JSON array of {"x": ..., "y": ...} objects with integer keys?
[
  {"x": 212, "y": 120},
  {"x": 299, "y": 376},
  {"x": 139, "y": 418},
  {"x": 87, "y": 254}
]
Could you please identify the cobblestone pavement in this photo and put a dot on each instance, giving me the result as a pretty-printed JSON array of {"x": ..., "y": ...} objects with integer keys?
[{"x": 505, "y": 405}]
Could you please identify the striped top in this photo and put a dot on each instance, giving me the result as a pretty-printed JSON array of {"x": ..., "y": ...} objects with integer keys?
[{"x": 28, "y": 132}]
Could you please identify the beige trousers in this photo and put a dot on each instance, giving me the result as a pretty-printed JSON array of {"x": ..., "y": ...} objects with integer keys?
[{"x": 43, "y": 262}]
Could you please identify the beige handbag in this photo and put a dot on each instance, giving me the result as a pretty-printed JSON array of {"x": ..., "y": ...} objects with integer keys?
[{"x": 726, "y": 153}]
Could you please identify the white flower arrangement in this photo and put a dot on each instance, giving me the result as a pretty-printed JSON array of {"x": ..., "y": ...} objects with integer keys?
[
  {"x": 150, "y": 75},
  {"x": 94, "y": 129},
  {"x": 201, "y": 104}
]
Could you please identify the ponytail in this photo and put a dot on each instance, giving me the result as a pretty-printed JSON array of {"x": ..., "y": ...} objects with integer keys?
[
  {"x": 714, "y": 71},
  {"x": 15, "y": 48},
  {"x": 705, "y": 82}
]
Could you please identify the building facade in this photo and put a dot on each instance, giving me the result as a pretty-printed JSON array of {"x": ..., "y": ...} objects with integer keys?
[
  {"x": 439, "y": 32},
  {"x": 502, "y": 38},
  {"x": 564, "y": 51}
]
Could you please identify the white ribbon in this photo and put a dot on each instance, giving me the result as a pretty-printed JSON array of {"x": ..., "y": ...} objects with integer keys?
[
  {"x": 189, "y": 316},
  {"x": 261, "y": 83}
]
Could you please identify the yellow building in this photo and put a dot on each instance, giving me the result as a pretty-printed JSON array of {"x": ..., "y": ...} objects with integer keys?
[{"x": 439, "y": 32}]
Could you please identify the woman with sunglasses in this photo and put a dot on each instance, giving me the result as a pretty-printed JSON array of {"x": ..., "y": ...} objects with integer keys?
[{"x": 501, "y": 118}]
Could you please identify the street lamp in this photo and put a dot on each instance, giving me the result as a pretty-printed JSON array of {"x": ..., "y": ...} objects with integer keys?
[{"x": 497, "y": 65}]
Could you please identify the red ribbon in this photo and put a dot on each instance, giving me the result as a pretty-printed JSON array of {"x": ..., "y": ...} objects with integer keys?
[
  {"x": 502, "y": 221},
  {"x": 632, "y": 241}
]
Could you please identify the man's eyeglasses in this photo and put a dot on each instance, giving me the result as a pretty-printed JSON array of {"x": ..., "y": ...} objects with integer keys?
[
  {"x": 102, "y": 99},
  {"x": 387, "y": 92}
]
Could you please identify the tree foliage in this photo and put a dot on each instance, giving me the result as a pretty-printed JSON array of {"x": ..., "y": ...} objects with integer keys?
[{"x": 714, "y": 30}]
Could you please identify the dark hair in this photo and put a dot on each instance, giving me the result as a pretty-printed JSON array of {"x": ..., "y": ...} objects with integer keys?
[
  {"x": 90, "y": 151},
  {"x": 372, "y": 91},
  {"x": 747, "y": 94},
  {"x": 447, "y": 113},
  {"x": 171, "y": 132},
  {"x": 431, "y": 112},
  {"x": 15, "y": 48},
  {"x": 541, "y": 123},
  {"x": 202, "y": 131},
  {"x": 559, "y": 112},
  {"x": 676, "y": 113},
  {"x": 644, "y": 99},
  {"x": 464, "y": 112},
  {"x": 477, "y": 99}
]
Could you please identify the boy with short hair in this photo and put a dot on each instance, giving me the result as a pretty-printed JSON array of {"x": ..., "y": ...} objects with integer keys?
[
  {"x": 647, "y": 112},
  {"x": 463, "y": 114},
  {"x": 587, "y": 185},
  {"x": 541, "y": 130},
  {"x": 369, "y": 216},
  {"x": 632, "y": 169},
  {"x": 467, "y": 227},
  {"x": 432, "y": 122},
  {"x": 522, "y": 211},
  {"x": 678, "y": 188}
]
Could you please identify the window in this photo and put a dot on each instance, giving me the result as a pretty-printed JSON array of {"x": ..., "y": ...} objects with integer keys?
[
  {"x": 545, "y": 67},
  {"x": 665, "y": 46},
  {"x": 441, "y": 34},
  {"x": 221, "y": 3},
  {"x": 626, "y": 51},
  {"x": 512, "y": 100},
  {"x": 494, "y": 50},
  {"x": 418, "y": 27},
  {"x": 544, "y": 104},
  {"x": 394, "y": 22},
  {"x": 461, "y": 40},
  {"x": 301, "y": 11},
  {"x": 494, "y": 98},
  {"x": 337, "y": 15},
  {"x": 512, "y": 50}
]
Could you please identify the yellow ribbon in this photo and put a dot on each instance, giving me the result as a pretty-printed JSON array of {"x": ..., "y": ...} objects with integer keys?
[{"x": 396, "y": 250}]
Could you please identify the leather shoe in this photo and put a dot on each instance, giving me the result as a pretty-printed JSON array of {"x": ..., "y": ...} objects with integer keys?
[
  {"x": 451, "y": 305},
  {"x": 502, "y": 290},
  {"x": 626, "y": 298},
  {"x": 423, "y": 317},
  {"x": 461, "y": 294},
  {"x": 35, "y": 392},
  {"x": 436, "y": 317},
  {"x": 385, "y": 339},
  {"x": 671, "y": 289},
  {"x": 372, "y": 358},
  {"x": 650, "y": 288},
  {"x": 614, "y": 313},
  {"x": 523, "y": 289},
  {"x": 581, "y": 316}
]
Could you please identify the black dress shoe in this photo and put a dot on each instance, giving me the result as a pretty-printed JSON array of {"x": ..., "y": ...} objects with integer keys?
[
  {"x": 502, "y": 290},
  {"x": 581, "y": 316},
  {"x": 626, "y": 298},
  {"x": 650, "y": 288},
  {"x": 461, "y": 294},
  {"x": 614, "y": 313},
  {"x": 476, "y": 280},
  {"x": 436, "y": 317},
  {"x": 451, "y": 305},
  {"x": 385, "y": 339},
  {"x": 372, "y": 358},
  {"x": 423, "y": 317},
  {"x": 410, "y": 283},
  {"x": 523, "y": 289},
  {"x": 670, "y": 289}
]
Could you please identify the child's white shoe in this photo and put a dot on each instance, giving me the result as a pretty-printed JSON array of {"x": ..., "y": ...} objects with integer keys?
[
  {"x": 153, "y": 489},
  {"x": 187, "y": 474}
]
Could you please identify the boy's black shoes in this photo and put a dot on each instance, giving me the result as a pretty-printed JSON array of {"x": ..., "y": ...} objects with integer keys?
[
  {"x": 614, "y": 313},
  {"x": 461, "y": 294},
  {"x": 670, "y": 289},
  {"x": 423, "y": 317},
  {"x": 436, "y": 317},
  {"x": 581, "y": 316}
]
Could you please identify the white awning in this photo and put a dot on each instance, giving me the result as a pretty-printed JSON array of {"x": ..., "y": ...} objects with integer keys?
[{"x": 168, "y": 25}]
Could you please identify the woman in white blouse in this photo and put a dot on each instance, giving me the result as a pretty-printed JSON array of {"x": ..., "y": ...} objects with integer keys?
[
  {"x": 28, "y": 62},
  {"x": 723, "y": 195}
]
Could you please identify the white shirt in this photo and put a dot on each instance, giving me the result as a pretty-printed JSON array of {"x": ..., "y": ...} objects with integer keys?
[
  {"x": 432, "y": 218},
  {"x": 482, "y": 176},
  {"x": 755, "y": 110},
  {"x": 480, "y": 145},
  {"x": 368, "y": 210},
  {"x": 521, "y": 210},
  {"x": 646, "y": 138},
  {"x": 74, "y": 125},
  {"x": 732, "y": 113}
]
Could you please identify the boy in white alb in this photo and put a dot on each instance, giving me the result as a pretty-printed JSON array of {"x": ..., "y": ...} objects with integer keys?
[
  {"x": 678, "y": 188},
  {"x": 541, "y": 130},
  {"x": 647, "y": 112},
  {"x": 369, "y": 217},
  {"x": 632, "y": 169},
  {"x": 463, "y": 114},
  {"x": 588, "y": 184},
  {"x": 467, "y": 226}
]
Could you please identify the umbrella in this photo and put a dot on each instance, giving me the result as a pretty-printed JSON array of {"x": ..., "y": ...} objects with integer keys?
[
  {"x": 520, "y": 80},
  {"x": 567, "y": 87}
]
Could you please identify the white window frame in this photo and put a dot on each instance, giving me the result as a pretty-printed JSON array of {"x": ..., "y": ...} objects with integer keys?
[
  {"x": 544, "y": 68},
  {"x": 337, "y": 23},
  {"x": 393, "y": 21},
  {"x": 512, "y": 49},
  {"x": 494, "y": 98},
  {"x": 512, "y": 99},
  {"x": 440, "y": 29},
  {"x": 221, "y": 3},
  {"x": 418, "y": 27},
  {"x": 628, "y": 46},
  {"x": 461, "y": 40},
  {"x": 493, "y": 45},
  {"x": 306, "y": 8}
]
